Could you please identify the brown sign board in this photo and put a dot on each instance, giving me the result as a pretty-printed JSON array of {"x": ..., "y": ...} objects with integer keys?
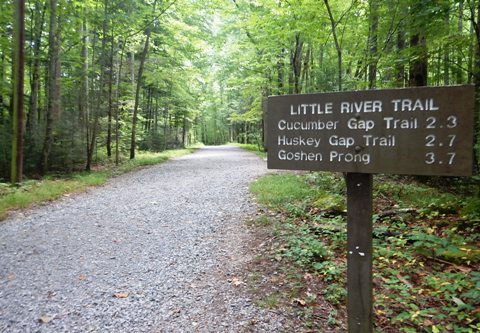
[{"x": 418, "y": 131}]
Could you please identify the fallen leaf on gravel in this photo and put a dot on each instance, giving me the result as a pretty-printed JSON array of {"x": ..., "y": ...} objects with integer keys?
[
  {"x": 81, "y": 277},
  {"x": 299, "y": 301},
  {"x": 45, "y": 319},
  {"x": 121, "y": 295},
  {"x": 236, "y": 282}
]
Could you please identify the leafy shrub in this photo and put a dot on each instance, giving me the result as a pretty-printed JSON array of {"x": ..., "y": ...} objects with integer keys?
[{"x": 471, "y": 208}]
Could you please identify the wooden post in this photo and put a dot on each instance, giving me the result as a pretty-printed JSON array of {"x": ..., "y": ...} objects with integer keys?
[{"x": 359, "y": 262}]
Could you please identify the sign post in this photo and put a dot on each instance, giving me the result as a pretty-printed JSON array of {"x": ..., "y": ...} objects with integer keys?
[
  {"x": 419, "y": 131},
  {"x": 359, "y": 257}
]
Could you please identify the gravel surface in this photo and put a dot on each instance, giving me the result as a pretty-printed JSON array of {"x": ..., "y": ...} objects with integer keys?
[{"x": 155, "y": 250}]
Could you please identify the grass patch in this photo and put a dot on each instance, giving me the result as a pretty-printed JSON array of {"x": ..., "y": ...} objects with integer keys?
[
  {"x": 268, "y": 302},
  {"x": 253, "y": 148},
  {"x": 426, "y": 253},
  {"x": 280, "y": 190},
  {"x": 32, "y": 191}
]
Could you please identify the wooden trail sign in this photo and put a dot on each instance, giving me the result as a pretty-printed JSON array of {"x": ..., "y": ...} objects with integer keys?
[{"x": 420, "y": 131}]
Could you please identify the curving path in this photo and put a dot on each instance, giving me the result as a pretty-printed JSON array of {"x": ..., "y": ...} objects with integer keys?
[{"x": 152, "y": 251}]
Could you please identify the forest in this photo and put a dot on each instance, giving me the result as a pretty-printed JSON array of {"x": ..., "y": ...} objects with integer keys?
[
  {"x": 104, "y": 79},
  {"x": 95, "y": 84}
]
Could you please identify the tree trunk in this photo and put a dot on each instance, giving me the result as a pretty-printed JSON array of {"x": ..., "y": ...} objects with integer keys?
[
  {"x": 337, "y": 45},
  {"x": 84, "y": 96},
  {"x": 400, "y": 67},
  {"x": 110, "y": 104},
  {"x": 110, "y": 85},
  {"x": 418, "y": 73},
  {"x": 373, "y": 45},
  {"x": 184, "y": 131},
  {"x": 280, "y": 73},
  {"x": 117, "y": 105},
  {"x": 446, "y": 53},
  {"x": 459, "y": 70},
  {"x": 133, "y": 142},
  {"x": 32, "y": 117},
  {"x": 18, "y": 79},
  {"x": 53, "y": 109},
  {"x": 296, "y": 63}
]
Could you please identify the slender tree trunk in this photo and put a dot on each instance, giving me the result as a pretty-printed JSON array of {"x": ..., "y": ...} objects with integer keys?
[
  {"x": 155, "y": 124},
  {"x": 110, "y": 101},
  {"x": 446, "y": 53},
  {"x": 110, "y": 83},
  {"x": 117, "y": 105},
  {"x": 280, "y": 72},
  {"x": 337, "y": 45},
  {"x": 133, "y": 140},
  {"x": 53, "y": 109},
  {"x": 18, "y": 79},
  {"x": 32, "y": 117},
  {"x": 373, "y": 45},
  {"x": 471, "y": 51},
  {"x": 84, "y": 96},
  {"x": 184, "y": 131},
  {"x": 459, "y": 70},
  {"x": 296, "y": 63},
  {"x": 165, "y": 122},
  {"x": 418, "y": 73},
  {"x": 401, "y": 44},
  {"x": 305, "y": 71}
]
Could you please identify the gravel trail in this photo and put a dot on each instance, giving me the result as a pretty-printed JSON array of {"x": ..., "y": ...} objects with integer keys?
[{"x": 152, "y": 251}]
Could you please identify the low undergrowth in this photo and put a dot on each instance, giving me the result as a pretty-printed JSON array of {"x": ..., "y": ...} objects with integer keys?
[
  {"x": 426, "y": 254},
  {"x": 52, "y": 187}
]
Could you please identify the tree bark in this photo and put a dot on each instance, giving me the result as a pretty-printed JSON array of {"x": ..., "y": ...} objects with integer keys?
[
  {"x": 133, "y": 141},
  {"x": 32, "y": 117},
  {"x": 110, "y": 81},
  {"x": 459, "y": 71},
  {"x": 53, "y": 109},
  {"x": 296, "y": 63},
  {"x": 18, "y": 80},
  {"x": 117, "y": 105},
  {"x": 373, "y": 45},
  {"x": 84, "y": 96},
  {"x": 337, "y": 45},
  {"x": 446, "y": 53},
  {"x": 280, "y": 74},
  {"x": 400, "y": 75},
  {"x": 418, "y": 74}
]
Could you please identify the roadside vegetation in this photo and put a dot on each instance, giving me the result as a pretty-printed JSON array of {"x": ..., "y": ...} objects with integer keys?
[
  {"x": 253, "y": 148},
  {"x": 52, "y": 187},
  {"x": 426, "y": 250}
]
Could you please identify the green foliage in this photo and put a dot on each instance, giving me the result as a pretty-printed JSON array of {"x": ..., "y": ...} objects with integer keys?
[
  {"x": 471, "y": 209},
  {"x": 426, "y": 257},
  {"x": 304, "y": 248}
]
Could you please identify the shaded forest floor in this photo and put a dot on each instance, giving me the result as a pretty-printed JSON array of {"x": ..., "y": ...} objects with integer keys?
[{"x": 426, "y": 253}]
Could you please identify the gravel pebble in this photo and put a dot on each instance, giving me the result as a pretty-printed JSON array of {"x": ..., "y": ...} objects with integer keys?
[{"x": 155, "y": 250}]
